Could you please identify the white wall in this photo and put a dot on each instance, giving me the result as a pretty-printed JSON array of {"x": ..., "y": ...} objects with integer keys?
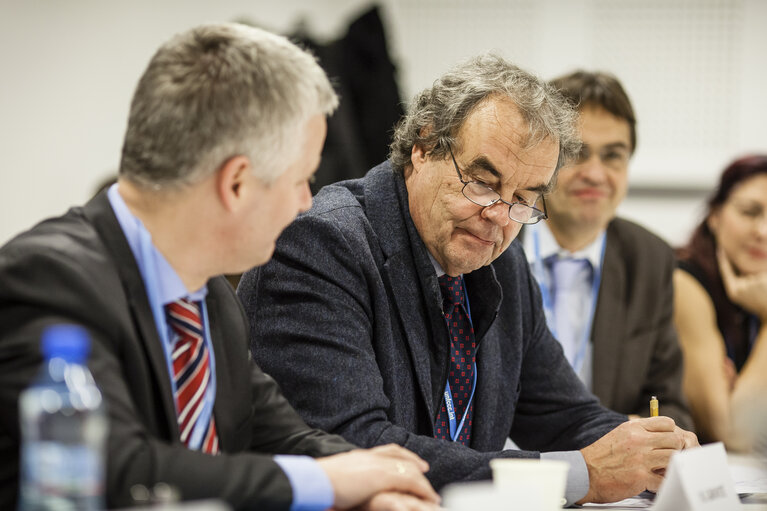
[
  {"x": 694, "y": 69},
  {"x": 68, "y": 72}
]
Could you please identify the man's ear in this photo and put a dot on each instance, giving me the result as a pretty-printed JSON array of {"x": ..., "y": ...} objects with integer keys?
[
  {"x": 420, "y": 153},
  {"x": 418, "y": 156},
  {"x": 232, "y": 181}
]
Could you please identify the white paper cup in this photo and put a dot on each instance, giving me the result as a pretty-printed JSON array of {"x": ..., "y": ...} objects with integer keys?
[
  {"x": 531, "y": 484},
  {"x": 473, "y": 496}
]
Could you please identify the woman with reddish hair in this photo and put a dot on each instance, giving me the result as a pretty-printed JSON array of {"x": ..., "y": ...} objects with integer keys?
[{"x": 721, "y": 305}]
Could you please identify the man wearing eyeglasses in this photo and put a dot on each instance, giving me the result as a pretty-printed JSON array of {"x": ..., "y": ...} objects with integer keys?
[
  {"x": 398, "y": 310},
  {"x": 606, "y": 282}
]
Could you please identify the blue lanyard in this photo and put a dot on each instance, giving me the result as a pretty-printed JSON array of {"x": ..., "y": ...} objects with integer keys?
[
  {"x": 455, "y": 429},
  {"x": 545, "y": 283}
]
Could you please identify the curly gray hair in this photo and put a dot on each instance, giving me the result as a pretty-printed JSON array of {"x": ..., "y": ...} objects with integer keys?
[{"x": 437, "y": 114}]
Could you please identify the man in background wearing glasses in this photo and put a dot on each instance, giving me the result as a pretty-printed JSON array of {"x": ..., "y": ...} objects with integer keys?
[
  {"x": 398, "y": 310},
  {"x": 606, "y": 282}
]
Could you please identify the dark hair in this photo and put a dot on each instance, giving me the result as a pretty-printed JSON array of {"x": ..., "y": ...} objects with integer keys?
[
  {"x": 700, "y": 252},
  {"x": 585, "y": 88}
]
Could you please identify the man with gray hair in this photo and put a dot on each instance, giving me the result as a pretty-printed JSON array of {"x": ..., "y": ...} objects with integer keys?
[
  {"x": 398, "y": 310},
  {"x": 225, "y": 131}
]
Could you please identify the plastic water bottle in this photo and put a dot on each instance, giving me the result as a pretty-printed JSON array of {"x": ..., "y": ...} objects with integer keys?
[{"x": 63, "y": 429}]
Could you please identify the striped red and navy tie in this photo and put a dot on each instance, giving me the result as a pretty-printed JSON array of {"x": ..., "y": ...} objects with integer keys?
[{"x": 191, "y": 371}]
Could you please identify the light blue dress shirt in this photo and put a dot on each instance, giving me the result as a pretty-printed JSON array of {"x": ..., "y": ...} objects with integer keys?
[
  {"x": 580, "y": 302},
  {"x": 311, "y": 487}
]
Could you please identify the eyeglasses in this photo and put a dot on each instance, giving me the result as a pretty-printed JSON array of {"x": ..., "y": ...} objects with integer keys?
[
  {"x": 482, "y": 195},
  {"x": 614, "y": 156}
]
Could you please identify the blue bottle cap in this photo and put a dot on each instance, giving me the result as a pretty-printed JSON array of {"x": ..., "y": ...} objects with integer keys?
[{"x": 69, "y": 342}]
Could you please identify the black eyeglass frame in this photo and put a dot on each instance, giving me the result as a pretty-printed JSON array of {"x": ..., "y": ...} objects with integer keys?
[{"x": 535, "y": 217}]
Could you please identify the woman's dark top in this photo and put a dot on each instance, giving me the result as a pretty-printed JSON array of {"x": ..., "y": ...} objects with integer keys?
[{"x": 740, "y": 329}]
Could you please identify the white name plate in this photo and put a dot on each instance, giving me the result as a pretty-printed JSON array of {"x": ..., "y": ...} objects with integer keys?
[{"x": 698, "y": 479}]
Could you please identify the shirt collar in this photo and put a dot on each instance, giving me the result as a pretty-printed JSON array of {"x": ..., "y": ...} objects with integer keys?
[
  {"x": 549, "y": 247},
  {"x": 167, "y": 282},
  {"x": 437, "y": 266}
]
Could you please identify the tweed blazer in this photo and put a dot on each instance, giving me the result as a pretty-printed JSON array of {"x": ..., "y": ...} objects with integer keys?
[
  {"x": 79, "y": 269},
  {"x": 636, "y": 353},
  {"x": 350, "y": 324}
]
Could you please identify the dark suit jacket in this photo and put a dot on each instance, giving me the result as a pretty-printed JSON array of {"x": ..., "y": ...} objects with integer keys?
[
  {"x": 636, "y": 351},
  {"x": 351, "y": 327},
  {"x": 79, "y": 269},
  {"x": 636, "y": 354}
]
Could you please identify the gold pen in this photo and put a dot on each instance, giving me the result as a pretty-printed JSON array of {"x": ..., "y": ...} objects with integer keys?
[{"x": 654, "y": 407}]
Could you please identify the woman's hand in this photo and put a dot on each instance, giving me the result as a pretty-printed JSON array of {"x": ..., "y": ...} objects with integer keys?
[{"x": 748, "y": 291}]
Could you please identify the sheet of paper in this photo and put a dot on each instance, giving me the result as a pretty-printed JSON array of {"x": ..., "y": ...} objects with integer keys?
[
  {"x": 749, "y": 474},
  {"x": 630, "y": 503}
]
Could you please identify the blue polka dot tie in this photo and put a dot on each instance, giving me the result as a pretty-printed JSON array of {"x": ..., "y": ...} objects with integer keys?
[{"x": 462, "y": 360}]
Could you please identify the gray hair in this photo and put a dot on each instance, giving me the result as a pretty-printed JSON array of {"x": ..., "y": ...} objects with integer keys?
[
  {"x": 217, "y": 91},
  {"x": 437, "y": 114}
]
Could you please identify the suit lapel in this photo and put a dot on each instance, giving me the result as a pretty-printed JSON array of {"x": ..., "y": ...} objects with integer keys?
[
  {"x": 224, "y": 426},
  {"x": 411, "y": 278},
  {"x": 609, "y": 321},
  {"x": 412, "y": 312},
  {"x": 99, "y": 211}
]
